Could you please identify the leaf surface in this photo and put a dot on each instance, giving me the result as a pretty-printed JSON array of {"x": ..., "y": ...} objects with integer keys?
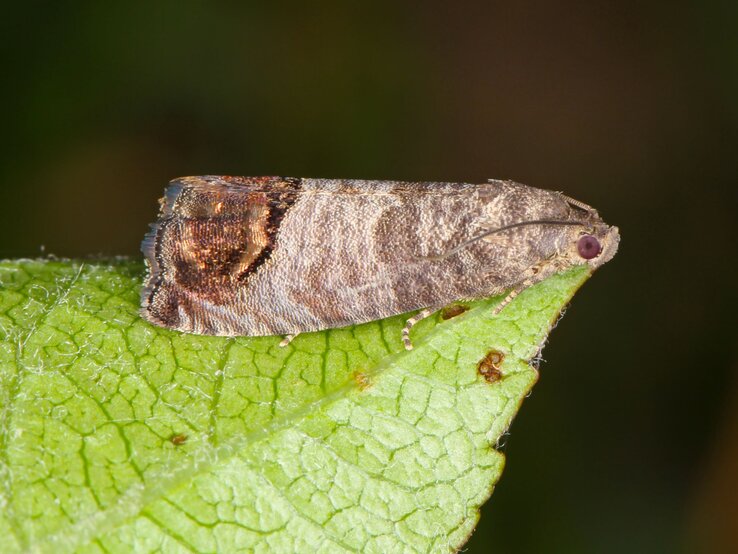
[{"x": 117, "y": 436}]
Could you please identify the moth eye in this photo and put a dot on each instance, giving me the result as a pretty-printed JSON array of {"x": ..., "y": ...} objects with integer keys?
[{"x": 588, "y": 247}]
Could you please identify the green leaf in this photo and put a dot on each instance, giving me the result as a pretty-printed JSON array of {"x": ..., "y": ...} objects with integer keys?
[{"x": 117, "y": 436}]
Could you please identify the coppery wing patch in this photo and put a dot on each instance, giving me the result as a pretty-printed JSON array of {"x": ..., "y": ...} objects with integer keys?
[{"x": 209, "y": 236}]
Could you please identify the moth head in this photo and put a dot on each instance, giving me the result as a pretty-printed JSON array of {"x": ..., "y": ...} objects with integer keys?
[
  {"x": 597, "y": 245},
  {"x": 589, "y": 239}
]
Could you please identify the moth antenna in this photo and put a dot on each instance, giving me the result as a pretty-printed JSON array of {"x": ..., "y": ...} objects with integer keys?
[{"x": 472, "y": 240}]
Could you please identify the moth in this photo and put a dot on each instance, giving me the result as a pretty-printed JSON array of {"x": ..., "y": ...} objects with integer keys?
[{"x": 261, "y": 256}]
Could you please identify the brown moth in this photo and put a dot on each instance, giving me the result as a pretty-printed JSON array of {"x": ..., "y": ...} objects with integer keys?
[{"x": 280, "y": 256}]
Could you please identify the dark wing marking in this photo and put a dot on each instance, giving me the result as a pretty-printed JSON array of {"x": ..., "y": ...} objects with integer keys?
[{"x": 208, "y": 236}]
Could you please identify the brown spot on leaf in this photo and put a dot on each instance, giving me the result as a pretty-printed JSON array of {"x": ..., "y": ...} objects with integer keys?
[
  {"x": 178, "y": 439},
  {"x": 489, "y": 366},
  {"x": 362, "y": 380},
  {"x": 453, "y": 310}
]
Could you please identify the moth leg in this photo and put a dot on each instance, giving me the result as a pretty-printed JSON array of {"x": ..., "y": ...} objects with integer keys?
[
  {"x": 410, "y": 323},
  {"x": 530, "y": 281},
  {"x": 287, "y": 339},
  {"x": 509, "y": 298}
]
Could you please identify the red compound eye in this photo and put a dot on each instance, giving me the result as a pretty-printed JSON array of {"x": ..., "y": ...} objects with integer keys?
[{"x": 588, "y": 247}]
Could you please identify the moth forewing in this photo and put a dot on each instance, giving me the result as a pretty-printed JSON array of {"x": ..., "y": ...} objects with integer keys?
[{"x": 281, "y": 256}]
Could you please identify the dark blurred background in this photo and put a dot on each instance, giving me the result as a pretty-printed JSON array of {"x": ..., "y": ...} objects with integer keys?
[{"x": 629, "y": 442}]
